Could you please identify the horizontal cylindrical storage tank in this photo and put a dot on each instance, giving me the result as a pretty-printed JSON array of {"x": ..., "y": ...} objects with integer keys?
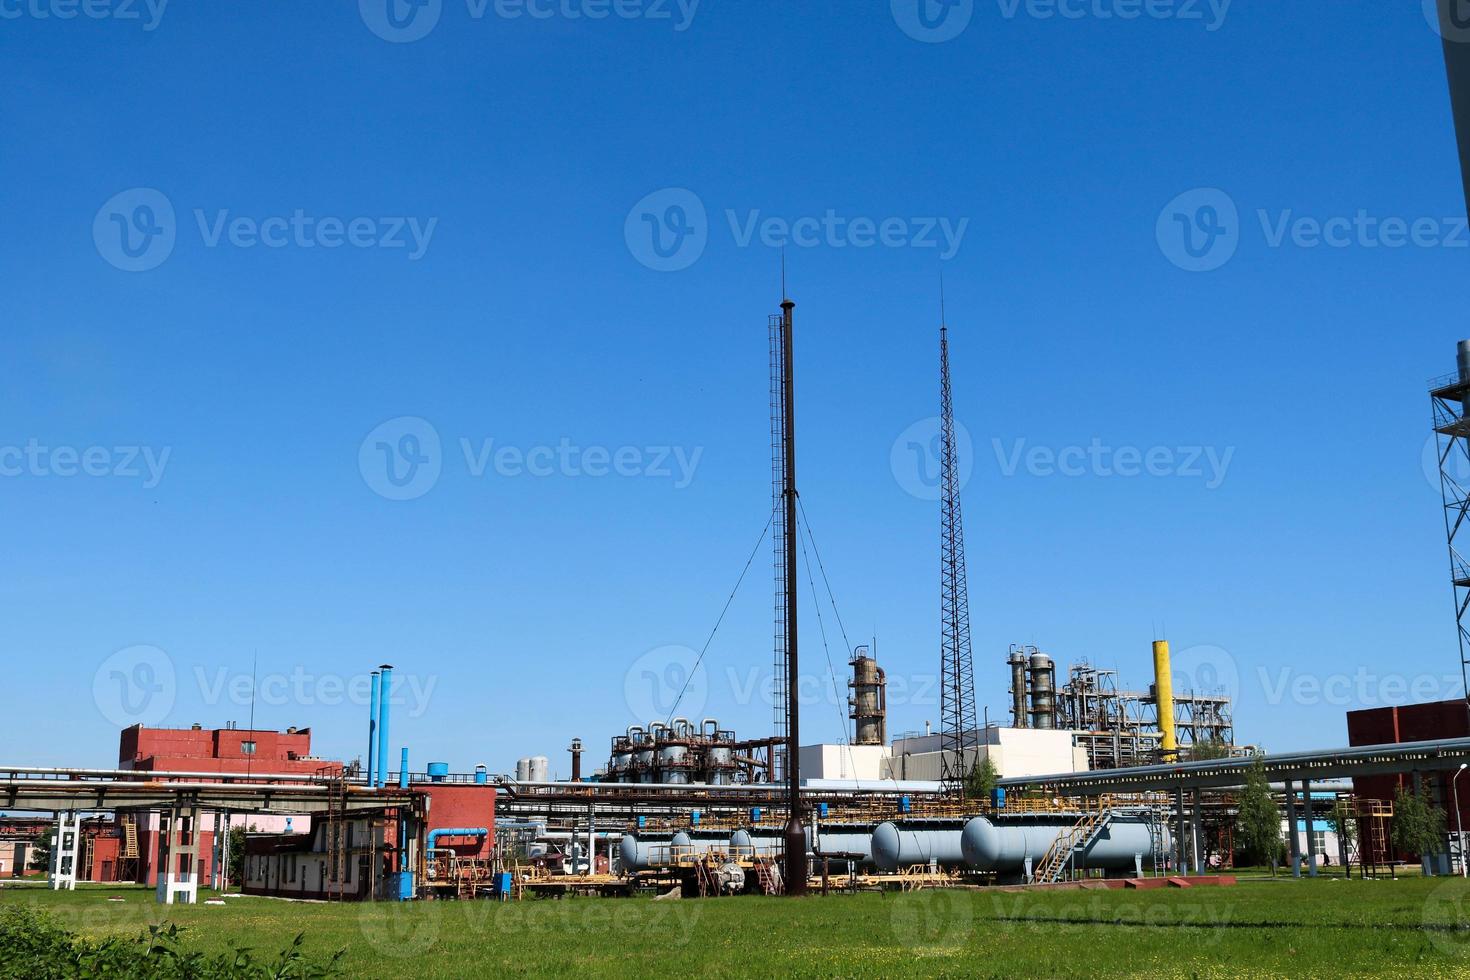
[
  {"x": 639, "y": 852},
  {"x": 900, "y": 846},
  {"x": 540, "y": 769},
  {"x": 763, "y": 843},
  {"x": 844, "y": 839},
  {"x": 1004, "y": 848}
]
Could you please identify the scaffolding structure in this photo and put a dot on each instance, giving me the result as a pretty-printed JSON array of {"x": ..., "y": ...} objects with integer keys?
[{"x": 1120, "y": 728}]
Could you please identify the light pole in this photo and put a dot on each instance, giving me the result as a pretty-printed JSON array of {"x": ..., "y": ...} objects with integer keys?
[{"x": 1459, "y": 823}]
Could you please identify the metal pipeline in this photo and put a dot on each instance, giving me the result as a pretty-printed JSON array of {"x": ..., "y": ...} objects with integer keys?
[
  {"x": 385, "y": 698},
  {"x": 372, "y": 732}
]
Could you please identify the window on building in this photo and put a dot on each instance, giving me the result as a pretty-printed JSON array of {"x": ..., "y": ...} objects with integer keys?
[{"x": 247, "y": 747}]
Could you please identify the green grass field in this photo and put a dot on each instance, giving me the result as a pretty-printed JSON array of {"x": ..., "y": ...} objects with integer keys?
[{"x": 1413, "y": 926}]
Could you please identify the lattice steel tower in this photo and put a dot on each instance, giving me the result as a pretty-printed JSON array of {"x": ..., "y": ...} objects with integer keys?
[
  {"x": 957, "y": 735},
  {"x": 1450, "y": 397}
]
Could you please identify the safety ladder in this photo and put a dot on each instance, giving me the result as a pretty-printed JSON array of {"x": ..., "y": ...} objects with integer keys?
[
  {"x": 765, "y": 874},
  {"x": 1156, "y": 840},
  {"x": 335, "y": 832},
  {"x": 1054, "y": 864}
]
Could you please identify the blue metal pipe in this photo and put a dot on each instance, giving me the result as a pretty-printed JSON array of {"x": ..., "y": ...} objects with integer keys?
[
  {"x": 403, "y": 769},
  {"x": 372, "y": 775},
  {"x": 385, "y": 698}
]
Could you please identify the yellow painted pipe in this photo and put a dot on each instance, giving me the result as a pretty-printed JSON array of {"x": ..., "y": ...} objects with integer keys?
[{"x": 1164, "y": 698}]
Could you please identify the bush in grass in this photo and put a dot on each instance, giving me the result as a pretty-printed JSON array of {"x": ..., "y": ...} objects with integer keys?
[{"x": 34, "y": 947}]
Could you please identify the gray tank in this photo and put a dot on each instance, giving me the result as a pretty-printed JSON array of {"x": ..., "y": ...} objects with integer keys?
[
  {"x": 898, "y": 846},
  {"x": 641, "y": 852},
  {"x": 1004, "y": 848},
  {"x": 844, "y": 839}
]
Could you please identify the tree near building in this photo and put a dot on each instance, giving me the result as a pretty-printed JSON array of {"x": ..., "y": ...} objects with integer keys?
[
  {"x": 1418, "y": 825},
  {"x": 1343, "y": 822},
  {"x": 1258, "y": 821},
  {"x": 981, "y": 782},
  {"x": 40, "y": 854}
]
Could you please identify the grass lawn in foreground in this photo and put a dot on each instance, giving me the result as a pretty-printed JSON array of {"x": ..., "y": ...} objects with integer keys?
[{"x": 1413, "y": 926}]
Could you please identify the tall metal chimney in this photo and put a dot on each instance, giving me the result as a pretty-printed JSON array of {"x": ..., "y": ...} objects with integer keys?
[
  {"x": 796, "y": 865},
  {"x": 385, "y": 698},
  {"x": 1164, "y": 700},
  {"x": 576, "y": 750}
]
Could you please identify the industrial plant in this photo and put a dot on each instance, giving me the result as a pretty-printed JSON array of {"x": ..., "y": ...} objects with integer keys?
[
  {"x": 1095, "y": 779},
  {"x": 1103, "y": 769}
]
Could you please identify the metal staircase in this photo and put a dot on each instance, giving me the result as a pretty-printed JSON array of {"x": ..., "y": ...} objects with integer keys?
[
  {"x": 1055, "y": 865},
  {"x": 765, "y": 873}
]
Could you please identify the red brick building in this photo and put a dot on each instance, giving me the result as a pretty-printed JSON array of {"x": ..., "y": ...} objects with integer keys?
[
  {"x": 233, "y": 751},
  {"x": 224, "y": 750},
  {"x": 1414, "y": 723}
]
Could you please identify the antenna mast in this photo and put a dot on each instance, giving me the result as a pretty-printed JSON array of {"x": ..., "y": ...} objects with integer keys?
[{"x": 957, "y": 737}]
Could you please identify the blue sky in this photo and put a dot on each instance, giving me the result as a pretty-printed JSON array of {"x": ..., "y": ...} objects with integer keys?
[{"x": 344, "y": 243}]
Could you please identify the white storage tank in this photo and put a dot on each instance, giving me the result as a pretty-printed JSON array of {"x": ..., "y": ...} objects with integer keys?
[{"x": 540, "y": 769}]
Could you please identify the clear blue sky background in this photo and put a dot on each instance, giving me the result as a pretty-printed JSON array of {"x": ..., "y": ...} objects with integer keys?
[{"x": 528, "y": 601}]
